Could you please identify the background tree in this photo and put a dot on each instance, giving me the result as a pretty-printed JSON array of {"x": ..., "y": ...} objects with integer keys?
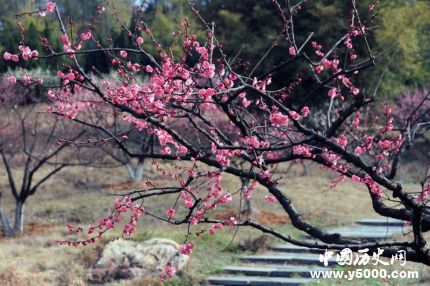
[
  {"x": 185, "y": 101},
  {"x": 28, "y": 142},
  {"x": 136, "y": 141},
  {"x": 403, "y": 40},
  {"x": 246, "y": 28}
]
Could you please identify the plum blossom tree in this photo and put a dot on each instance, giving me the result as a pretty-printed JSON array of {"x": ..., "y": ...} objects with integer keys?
[
  {"x": 412, "y": 111},
  {"x": 207, "y": 117},
  {"x": 111, "y": 119}
]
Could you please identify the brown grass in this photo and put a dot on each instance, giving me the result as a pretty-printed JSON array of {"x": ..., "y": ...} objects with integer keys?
[{"x": 80, "y": 196}]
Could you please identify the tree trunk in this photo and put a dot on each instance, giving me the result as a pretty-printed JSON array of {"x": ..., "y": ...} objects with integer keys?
[
  {"x": 249, "y": 205},
  {"x": 250, "y": 209},
  {"x": 4, "y": 222},
  {"x": 139, "y": 171},
  {"x": 19, "y": 218},
  {"x": 7, "y": 231},
  {"x": 130, "y": 170},
  {"x": 136, "y": 173}
]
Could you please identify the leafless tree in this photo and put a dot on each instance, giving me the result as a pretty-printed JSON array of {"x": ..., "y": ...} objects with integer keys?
[{"x": 31, "y": 153}]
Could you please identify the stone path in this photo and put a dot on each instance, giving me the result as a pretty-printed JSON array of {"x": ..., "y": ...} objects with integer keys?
[{"x": 289, "y": 265}]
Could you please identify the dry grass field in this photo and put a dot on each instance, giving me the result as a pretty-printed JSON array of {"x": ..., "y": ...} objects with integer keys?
[{"x": 83, "y": 195}]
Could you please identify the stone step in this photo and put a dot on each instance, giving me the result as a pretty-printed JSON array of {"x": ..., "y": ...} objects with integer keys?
[
  {"x": 390, "y": 230},
  {"x": 302, "y": 259},
  {"x": 291, "y": 265},
  {"x": 274, "y": 270},
  {"x": 380, "y": 222},
  {"x": 370, "y": 234},
  {"x": 362, "y": 236},
  {"x": 258, "y": 281},
  {"x": 296, "y": 249}
]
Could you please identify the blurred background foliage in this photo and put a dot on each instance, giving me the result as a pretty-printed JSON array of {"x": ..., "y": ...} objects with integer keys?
[{"x": 246, "y": 29}]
